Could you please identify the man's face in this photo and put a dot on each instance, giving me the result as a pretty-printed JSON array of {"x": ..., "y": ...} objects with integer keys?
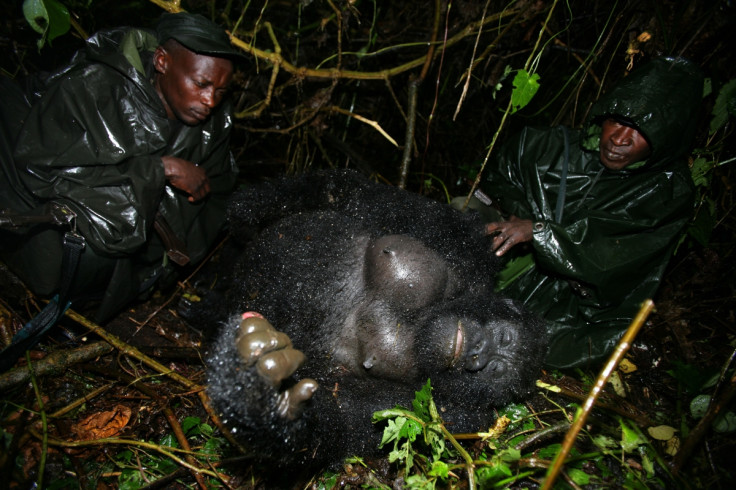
[
  {"x": 190, "y": 85},
  {"x": 621, "y": 145}
]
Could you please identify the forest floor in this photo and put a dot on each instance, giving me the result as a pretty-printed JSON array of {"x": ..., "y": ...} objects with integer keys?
[{"x": 108, "y": 418}]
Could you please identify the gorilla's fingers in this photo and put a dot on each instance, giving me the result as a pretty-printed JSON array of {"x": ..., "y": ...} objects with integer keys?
[
  {"x": 253, "y": 345},
  {"x": 252, "y": 324},
  {"x": 279, "y": 364},
  {"x": 291, "y": 402}
]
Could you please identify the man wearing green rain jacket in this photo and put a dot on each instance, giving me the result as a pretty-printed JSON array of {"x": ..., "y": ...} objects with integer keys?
[
  {"x": 132, "y": 137},
  {"x": 599, "y": 210}
]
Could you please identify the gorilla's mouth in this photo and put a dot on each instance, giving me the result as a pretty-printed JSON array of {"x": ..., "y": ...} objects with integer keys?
[{"x": 458, "y": 344}]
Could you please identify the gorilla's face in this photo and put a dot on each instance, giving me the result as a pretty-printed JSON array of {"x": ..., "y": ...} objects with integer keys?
[
  {"x": 476, "y": 349},
  {"x": 472, "y": 347}
]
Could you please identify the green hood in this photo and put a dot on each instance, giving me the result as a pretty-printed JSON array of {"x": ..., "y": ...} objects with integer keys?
[
  {"x": 604, "y": 245},
  {"x": 661, "y": 99}
]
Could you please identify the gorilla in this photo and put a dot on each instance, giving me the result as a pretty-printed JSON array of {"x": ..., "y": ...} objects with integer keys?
[{"x": 363, "y": 292}]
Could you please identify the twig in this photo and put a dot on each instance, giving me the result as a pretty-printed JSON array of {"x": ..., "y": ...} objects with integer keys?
[
  {"x": 471, "y": 64},
  {"x": 167, "y": 451},
  {"x": 608, "y": 401},
  {"x": 409, "y": 137},
  {"x": 168, "y": 413},
  {"x": 135, "y": 353},
  {"x": 44, "y": 422},
  {"x": 54, "y": 363},
  {"x": 335, "y": 73},
  {"x": 362, "y": 119},
  {"x": 543, "y": 434},
  {"x": 618, "y": 354}
]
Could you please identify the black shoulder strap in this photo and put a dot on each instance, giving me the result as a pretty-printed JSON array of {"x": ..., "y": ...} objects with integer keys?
[{"x": 32, "y": 331}]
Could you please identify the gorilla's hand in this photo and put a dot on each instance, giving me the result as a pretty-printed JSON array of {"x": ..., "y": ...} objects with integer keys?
[{"x": 275, "y": 359}]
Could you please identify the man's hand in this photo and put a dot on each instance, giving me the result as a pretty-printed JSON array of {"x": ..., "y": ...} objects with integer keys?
[
  {"x": 509, "y": 233},
  {"x": 186, "y": 176}
]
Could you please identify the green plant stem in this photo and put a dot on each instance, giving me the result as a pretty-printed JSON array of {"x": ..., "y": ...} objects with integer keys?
[
  {"x": 507, "y": 111},
  {"x": 469, "y": 463}
]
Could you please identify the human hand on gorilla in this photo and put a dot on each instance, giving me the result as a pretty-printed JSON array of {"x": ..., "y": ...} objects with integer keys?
[
  {"x": 186, "y": 176},
  {"x": 275, "y": 359},
  {"x": 509, "y": 233}
]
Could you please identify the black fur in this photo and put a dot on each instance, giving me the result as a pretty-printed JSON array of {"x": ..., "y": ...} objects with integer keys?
[{"x": 309, "y": 273}]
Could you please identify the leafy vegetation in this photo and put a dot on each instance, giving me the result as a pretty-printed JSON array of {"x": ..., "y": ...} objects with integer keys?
[{"x": 331, "y": 84}]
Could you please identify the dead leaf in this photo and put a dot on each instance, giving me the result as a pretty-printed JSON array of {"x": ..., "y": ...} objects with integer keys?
[
  {"x": 627, "y": 366},
  {"x": 102, "y": 424},
  {"x": 662, "y": 432},
  {"x": 672, "y": 446}
]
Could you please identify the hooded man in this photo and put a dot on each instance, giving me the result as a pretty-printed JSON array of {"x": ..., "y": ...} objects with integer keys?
[
  {"x": 131, "y": 138},
  {"x": 600, "y": 210}
]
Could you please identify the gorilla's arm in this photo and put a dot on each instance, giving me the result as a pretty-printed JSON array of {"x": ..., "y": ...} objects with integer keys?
[{"x": 279, "y": 418}]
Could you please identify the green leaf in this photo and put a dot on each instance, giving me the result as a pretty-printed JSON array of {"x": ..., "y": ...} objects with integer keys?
[
  {"x": 328, "y": 480},
  {"x": 124, "y": 456},
  {"x": 130, "y": 479},
  {"x": 169, "y": 440},
  {"x": 49, "y": 18},
  {"x": 579, "y": 476},
  {"x": 410, "y": 430},
  {"x": 190, "y": 423},
  {"x": 699, "y": 405},
  {"x": 701, "y": 229},
  {"x": 391, "y": 413},
  {"x": 525, "y": 86},
  {"x": 58, "y": 19},
  {"x": 647, "y": 464},
  {"x": 422, "y": 402},
  {"x": 509, "y": 455},
  {"x": 213, "y": 445},
  {"x": 699, "y": 171},
  {"x": 725, "y": 423},
  {"x": 36, "y": 15},
  {"x": 392, "y": 430},
  {"x": 551, "y": 451},
  {"x": 630, "y": 438},
  {"x": 725, "y": 105},
  {"x": 418, "y": 482},
  {"x": 440, "y": 469}
]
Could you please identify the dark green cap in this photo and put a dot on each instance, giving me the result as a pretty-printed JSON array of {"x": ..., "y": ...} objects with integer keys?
[{"x": 197, "y": 33}]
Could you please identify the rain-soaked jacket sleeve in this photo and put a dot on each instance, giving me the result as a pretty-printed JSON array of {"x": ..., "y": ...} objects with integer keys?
[
  {"x": 91, "y": 143},
  {"x": 199, "y": 223},
  {"x": 615, "y": 226}
]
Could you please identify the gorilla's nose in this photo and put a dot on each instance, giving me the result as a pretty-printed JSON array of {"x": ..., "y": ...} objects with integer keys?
[
  {"x": 478, "y": 354},
  {"x": 486, "y": 349}
]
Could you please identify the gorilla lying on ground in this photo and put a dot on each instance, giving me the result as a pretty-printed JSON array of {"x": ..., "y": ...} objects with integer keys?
[{"x": 381, "y": 290}]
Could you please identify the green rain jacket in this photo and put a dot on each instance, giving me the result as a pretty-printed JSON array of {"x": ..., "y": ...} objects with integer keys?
[
  {"x": 602, "y": 248},
  {"x": 91, "y": 135}
]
